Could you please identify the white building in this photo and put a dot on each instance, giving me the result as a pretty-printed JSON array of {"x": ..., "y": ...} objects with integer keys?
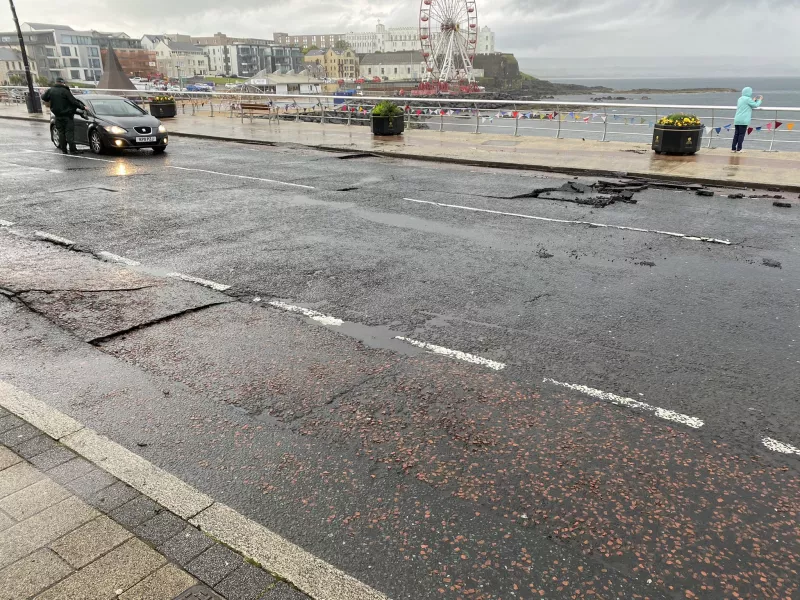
[
  {"x": 179, "y": 59},
  {"x": 289, "y": 83},
  {"x": 60, "y": 51},
  {"x": 486, "y": 41},
  {"x": 401, "y": 39},
  {"x": 393, "y": 66}
]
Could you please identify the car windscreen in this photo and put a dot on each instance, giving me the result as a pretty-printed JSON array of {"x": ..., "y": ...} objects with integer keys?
[{"x": 116, "y": 108}]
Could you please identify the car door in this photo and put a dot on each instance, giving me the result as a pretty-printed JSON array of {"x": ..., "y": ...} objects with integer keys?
[{"x": 82, "y": 126}]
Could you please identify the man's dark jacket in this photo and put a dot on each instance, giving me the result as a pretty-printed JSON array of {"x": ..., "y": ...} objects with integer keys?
[{"x": 62, "y": 102}]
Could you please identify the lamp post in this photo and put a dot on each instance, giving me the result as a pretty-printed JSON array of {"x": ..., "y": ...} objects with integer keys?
[{"x": 33, "y": 101}]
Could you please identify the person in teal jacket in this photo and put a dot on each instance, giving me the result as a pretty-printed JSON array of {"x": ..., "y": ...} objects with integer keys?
[{"x": 744, "y": 116}]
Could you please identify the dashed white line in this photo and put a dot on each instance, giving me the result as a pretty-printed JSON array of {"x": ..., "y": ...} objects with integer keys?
[
  {"x": 6, "y": 223},
  {"x": 311, "y": 314},
  {"x": 661, "y": 413},
  {"x": 693, "y": 238},
  {"x": 72, "y": 156},
  {"x": 781, "y": 447},
  {"x": 114, "y": 258},
  {"x": 297, "y": 185},
  {"x": 220, "y": 287},
  {"x": 458, "y": 355},
  {"x": 55, "y": 239}
]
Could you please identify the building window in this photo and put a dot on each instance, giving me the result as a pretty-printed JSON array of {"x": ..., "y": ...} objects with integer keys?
[
  {"x": 75, "y": 74},
  {"x": 369, "y": 71},
  {"x": 65, "y": 51},
  {"x": 95, "y": 63},
  {"x": 395, "y": 70},
  {"x": 74, "y": 62},
  {"x": 382, "y": 71},
  {"x": 94, "y": 51}
]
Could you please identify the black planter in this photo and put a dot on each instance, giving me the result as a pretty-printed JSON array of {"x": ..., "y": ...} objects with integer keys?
[
  {"x": 669, "y": 139},
  {"x": 163, "y": 110},
  {"x": 388, "y": 125}
]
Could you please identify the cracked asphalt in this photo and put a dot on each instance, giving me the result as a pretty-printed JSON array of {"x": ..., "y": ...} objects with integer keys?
[{"x": 422, "y": 475}]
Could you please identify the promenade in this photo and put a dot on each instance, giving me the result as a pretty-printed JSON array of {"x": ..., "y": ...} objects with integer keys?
[{"x": 715, "y": 166}]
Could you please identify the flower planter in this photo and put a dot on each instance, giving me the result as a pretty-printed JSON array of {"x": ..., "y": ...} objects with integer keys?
[
  {"x": 669, "y": 139},
  {"x": 388, "y": 125},
  {"x": 163, "y": 110}
]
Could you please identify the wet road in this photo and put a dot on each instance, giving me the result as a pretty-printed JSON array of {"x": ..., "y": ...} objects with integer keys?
[{"x": 593, "y": 422}]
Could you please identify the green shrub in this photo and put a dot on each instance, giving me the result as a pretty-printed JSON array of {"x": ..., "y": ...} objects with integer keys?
[{"x": 387, "y": 109}]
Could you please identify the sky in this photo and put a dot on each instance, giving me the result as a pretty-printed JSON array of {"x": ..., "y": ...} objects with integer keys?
[{"x": 764, "y": 30}]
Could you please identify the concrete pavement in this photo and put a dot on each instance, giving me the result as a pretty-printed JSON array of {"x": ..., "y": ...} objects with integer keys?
[
  {"x": 420, "y": 469},
  {"x": 716, "y": 166}
]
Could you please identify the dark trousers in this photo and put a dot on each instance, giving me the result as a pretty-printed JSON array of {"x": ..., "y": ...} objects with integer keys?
[
  {"x": 738, "y": 137},
  {"x": 66, "y": 131}
]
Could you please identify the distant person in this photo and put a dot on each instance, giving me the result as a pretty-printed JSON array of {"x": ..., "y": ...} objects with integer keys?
[
  {"x": 744, "y": 116},
  {"x": 64, "y": 105}
]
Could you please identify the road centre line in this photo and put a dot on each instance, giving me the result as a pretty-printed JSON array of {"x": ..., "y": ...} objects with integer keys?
[
  {"x": 661, "y": 413},
  {"x": 114, "y": 258},
  {"x": 297, "y": 185},
  {"x": 777, "y": 446},
  {"x": 458, "y": 355},
  {"x": 568, "y": 222},
  {"x": 220, "y": 287},
  {"x": 54, "y": 239},
  {"x": 311, "y": 314}
]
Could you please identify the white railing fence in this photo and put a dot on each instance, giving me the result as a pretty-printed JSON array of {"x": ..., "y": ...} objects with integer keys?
[{"x": 774, "y": 128}]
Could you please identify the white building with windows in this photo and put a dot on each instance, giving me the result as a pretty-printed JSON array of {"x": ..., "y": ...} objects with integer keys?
[
  {"x": 181, "y": 60},
  {"x": 73, "y": 55},
  {"x": 393, "y": 66},
  {"x": 402, "y": 39}
]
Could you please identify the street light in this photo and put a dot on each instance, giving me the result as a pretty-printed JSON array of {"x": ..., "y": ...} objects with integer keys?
[{"x": 33, "y": 101}]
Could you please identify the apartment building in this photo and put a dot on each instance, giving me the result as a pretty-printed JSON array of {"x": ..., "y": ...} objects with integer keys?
[
  {"x": 60, "y": 51},
  {"x": 333, "y": 63},
  {"x": 181, "y": 59},
  {"x": 320, "y": 40},
  {"x": 10, "y": 65}
]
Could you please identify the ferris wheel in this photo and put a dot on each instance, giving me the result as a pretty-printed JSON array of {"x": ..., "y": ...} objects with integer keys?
[{"x": 448, "y": 31}]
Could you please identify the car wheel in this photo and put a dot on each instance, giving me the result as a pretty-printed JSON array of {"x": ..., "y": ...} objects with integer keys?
[
  {"x": 160, "y": 150},
  {"x": 96, "y": 143},
  {"x": 54, "y": 137}
]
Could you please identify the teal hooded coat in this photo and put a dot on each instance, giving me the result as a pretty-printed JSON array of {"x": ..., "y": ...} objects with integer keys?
[{"x": 744, "y": 109}]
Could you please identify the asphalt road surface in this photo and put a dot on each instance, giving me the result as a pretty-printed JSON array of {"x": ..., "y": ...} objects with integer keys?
[{"x": 586, "y": 401}]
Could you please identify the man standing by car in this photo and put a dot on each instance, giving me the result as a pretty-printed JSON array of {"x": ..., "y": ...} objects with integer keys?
[{"x": 64, "y": 106}]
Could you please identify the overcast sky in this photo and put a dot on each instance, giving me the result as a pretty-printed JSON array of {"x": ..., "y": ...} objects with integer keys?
[{"x": 567, "y": 28}]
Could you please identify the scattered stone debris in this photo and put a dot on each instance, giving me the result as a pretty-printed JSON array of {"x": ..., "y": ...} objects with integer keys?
[
  {"x": 646, "y": 263},
  {"x": 668, "y": 185},
  {"x": 635, "y": 151},
  {"x": 542, "y": 253},
  {"x": 707, "y": 193},
  {"x": 768, "y": 262},
  {"x": 599, "y": 195},
  {"x": 736, "y": 196},
  {"x": 782, "y": 204},
  {"x": 766, "y": 197}
]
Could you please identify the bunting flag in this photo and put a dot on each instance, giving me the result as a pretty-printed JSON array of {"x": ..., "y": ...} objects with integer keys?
[
  {"x": 616, "y": 117},
  {"x": 790, "y": 126},
  {"x": 758, "y": 128},
  {"x": 769, "y": 126},
  {"x": 749, "y": 130},
  {"x": 515, "y": 114},
  {"x": 555, "y": 114},
  {"x": 728, "y": 127},
  {"x": 586, "y": 119},
  {"x": 604, "y": 118},
  {"x": 483, "y": 119},
  {"x": 709, "y": 129},
  {"x": 572, "y": 115},
  {"x": 595, "y": 115},
  {"x": 778, "y": 124},
  {"x": 577, "y": 117},
  {"x": 641, "y": 121},
  {"x": 652, "y": 124},
  {"x": 718, "y": 130},
  {"x": 562, "y": 118},
  {"x": 419, "y": 112}
]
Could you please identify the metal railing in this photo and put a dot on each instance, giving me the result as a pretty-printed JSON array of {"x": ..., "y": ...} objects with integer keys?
[{"x": 559, "y": 119}]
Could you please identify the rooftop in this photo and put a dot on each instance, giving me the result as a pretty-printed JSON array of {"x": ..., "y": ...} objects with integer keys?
[
  {"x": 182, "y": 46},
  {"x": 46, "y": 26}
]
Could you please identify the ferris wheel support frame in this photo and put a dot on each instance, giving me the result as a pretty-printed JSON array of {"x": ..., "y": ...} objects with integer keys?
[{"x": 453, "y": 23}]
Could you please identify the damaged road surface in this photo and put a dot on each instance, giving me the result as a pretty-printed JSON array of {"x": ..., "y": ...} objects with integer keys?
[{"x": 395, "y": 369}]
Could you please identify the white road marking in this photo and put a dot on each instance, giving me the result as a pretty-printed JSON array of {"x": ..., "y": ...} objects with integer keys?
[
  {"x": 114, "y": 258},
  {"x": 55, "y": 239},
  {"x": 273, "y": 552},
  {"x": 777, "y": 446},
  {"x": 6, "y": 223},
  {"x": 32, "y": 168},
  {"x": 661, "y": 413},
  {"x": 568, "y": 222},
  {"x": 306, "y": 187},
  {"x": 311, "y": 314},
  {"x": 458, "y": 355},
  {"x": 204, "y": 282}
]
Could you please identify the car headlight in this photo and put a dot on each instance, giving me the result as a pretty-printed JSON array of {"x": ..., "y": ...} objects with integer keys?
[
  {"x": 162, "y": 129},
  {"x": 115, "y": 130}
]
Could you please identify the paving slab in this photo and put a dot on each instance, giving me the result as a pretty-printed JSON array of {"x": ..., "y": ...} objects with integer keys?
[
  {"x": 90, "y": 541},
  {"x": 186, "y": 546},
  {"x": 33, "y": 499},
  {"x": 245, "y": 583},
  {"x": 164, "y": 584},
  {"x": 17, "y": 477},
  {"x": 7, "y": 458},
  {"x": 29, "y": 576}
]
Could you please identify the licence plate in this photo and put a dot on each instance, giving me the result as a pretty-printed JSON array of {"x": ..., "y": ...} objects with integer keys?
[{"x": 145, "y": 140}]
